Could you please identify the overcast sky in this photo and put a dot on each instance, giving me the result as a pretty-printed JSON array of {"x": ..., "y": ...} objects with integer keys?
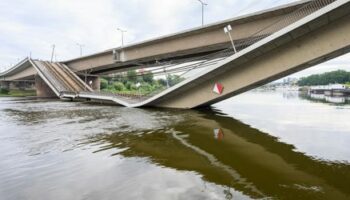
[{"x": 32, "y": 26}]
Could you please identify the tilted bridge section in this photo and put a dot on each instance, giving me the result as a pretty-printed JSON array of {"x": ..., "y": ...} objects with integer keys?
[
  {"x": 62, "y": 81},
  {"x": 312, "y": 34}
]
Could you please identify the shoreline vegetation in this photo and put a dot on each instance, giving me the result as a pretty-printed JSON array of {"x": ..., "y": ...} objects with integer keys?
[
  {"x": 132, "y": 83},
  {"x": 334, "y": 77},
  {"x": 16, "y": 93}
]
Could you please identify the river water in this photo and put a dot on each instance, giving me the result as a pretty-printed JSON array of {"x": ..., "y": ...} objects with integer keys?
[{"x": 259, "y": 145}]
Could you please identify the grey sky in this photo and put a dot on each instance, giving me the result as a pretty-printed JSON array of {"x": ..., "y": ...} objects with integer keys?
[{"x": 34, "y": 25}]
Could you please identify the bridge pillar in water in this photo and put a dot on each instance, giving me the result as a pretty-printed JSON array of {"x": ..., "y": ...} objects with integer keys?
[{"x": 42, "y": 89}]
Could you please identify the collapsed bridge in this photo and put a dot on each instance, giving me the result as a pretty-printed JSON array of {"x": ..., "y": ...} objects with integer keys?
[{"x": 266, "y": 46}]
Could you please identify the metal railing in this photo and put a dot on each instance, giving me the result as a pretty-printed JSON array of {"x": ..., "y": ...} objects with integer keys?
[
  {"x": 58, "y": 76},
  {"x": 77, "y": 81}
]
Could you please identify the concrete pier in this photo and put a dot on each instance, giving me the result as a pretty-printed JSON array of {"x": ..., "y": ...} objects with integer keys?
[{"x": 42, "y": 89}]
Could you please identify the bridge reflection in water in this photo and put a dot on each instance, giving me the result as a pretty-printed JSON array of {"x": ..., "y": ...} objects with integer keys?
[{"x": 243, "y": 159}]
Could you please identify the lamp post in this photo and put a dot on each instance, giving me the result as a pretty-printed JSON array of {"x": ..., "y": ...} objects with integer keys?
[
  {"x": 80, "y": 48},
  {"x": 228, "y": 30},
  {"x": 53, "y": 52},
  {"x": 122, "y": 32},
  {"x": 203, "y": 4}
]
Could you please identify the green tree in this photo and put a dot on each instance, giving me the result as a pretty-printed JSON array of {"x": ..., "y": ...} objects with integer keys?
[
  {"x": 174, "y": 79},
  {"x": 148, "y": 77},
  {"x": 132, "y": 76},
  {"x": 146, "y": 87},
  {"x": 4, "y": 91},
  {"x": 103, "y": 84},
  {"x": 130, "y": 86},
  {"x": 339, "y": 76},
  {"x": 118, "y": 86},
  {"x": 162, "y": 82}
]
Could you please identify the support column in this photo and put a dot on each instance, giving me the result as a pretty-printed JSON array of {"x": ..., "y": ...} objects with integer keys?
[
  {"x": 95, "y": 82},
  {"x": 42, "y": 89},
  {"x": 5, "y": 85}
]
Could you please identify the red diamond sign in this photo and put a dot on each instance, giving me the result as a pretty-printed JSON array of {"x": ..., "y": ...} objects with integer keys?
[
  {"x": 218, "y": 88},
  {"x": 218, "y": 134}
]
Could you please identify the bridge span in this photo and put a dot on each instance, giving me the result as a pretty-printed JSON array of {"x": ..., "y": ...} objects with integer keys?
[{"x": 270, "y": 45}]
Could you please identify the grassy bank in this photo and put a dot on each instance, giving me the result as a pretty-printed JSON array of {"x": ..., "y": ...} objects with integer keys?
[{"x": 18, "y": 93}]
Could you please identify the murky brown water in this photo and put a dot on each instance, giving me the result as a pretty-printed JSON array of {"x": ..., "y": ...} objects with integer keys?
[{"x": 293, "y": 148}]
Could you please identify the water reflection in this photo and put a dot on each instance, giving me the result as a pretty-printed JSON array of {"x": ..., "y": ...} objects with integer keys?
[
  {"x": 247, "y": 160},
  {"x": 57, "y": 150},
  {"x": 218, "y": 134},
  {"x": 326, "y": 99}
]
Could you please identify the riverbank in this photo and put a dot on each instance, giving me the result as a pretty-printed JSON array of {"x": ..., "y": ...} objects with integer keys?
[{"x": 19, "y": 93}]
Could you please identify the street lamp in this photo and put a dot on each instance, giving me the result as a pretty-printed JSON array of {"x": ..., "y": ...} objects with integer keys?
[
  {"x": 203, "y": 4},
  {"x": 53, "y": 52},
  {"x": 81, "y": 48},
  {"x": 228, "y": 30},
  {"x": 122, "y": 32}
]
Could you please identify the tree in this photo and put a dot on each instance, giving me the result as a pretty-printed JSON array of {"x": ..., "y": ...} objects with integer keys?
[
  {"x": 148, "y": 77},
  {"x": 104, "y": 84},
  {"x": 132, "y": 76},
  {"x": 174, "y": 79},
  {"x": 161, "y": 82},
  {"x": 339, "y": 76},
  {"x": 130, "y": 86},
  {"x": 119, "y": 86},
  {"x": 4, "y": 91},
  {"x": 146, "y": 87}
]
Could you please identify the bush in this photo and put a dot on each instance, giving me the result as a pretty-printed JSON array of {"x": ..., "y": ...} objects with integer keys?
[
  {"x": 146, "y": 87},
  {"x": 133, "y": 87},
  {"x": 174, "y": 79},
  {"x": 130, "y": 86},
  {"x": 104, "y": 84},
  {"x": 157, "y": 86},
  {"x": 162, "y": 82},
  {"x": 148, "y": 77},
  {"x": 4, "y": 91},
  {"x": 119, "y": 86},
  {"x": 132, "y": 75}
]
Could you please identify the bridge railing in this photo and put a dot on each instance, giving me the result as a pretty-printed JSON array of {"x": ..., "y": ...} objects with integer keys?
[{"x": 287, "y": 20}]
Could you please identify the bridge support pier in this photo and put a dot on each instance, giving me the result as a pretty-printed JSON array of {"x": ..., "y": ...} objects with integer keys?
[
  {"x": 5, "y": 85},
  {"x": 95, "y": 80},
  {"x": 42, "y": 89}
]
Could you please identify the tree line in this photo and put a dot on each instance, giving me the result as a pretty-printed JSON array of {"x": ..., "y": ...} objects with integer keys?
[
  {"x": 335, "y": 77},
  {"x": 132, "y": 82}
]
